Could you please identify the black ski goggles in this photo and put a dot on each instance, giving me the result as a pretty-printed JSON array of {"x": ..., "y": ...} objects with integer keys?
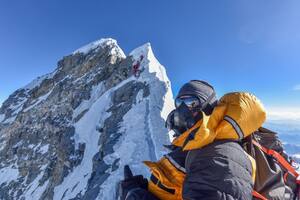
[{"x": 190, "y": 101}]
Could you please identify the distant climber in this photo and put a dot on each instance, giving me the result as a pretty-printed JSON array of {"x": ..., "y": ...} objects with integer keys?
[
  {"x": 136, "y": 67},
  {"x": 141, "y": 58}
]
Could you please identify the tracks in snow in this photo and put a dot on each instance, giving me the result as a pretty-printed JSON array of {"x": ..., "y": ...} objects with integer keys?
[{"x": 149, "y": 138}]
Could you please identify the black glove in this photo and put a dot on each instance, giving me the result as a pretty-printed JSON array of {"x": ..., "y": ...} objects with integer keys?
[{"x": 131, "y": 182}]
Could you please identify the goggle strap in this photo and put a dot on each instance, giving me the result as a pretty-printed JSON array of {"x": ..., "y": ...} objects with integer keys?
[{"x": 208, "y": 100}]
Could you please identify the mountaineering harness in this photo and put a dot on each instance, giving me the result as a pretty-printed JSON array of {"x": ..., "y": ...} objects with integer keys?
[{"x": 283, "y": 163}]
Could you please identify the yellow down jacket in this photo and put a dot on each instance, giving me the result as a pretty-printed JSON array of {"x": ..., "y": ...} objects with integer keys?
[{"x": 236, "y": 116}]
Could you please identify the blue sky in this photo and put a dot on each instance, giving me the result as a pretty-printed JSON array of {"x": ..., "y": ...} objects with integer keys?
[{"x": 236, "y": 45}]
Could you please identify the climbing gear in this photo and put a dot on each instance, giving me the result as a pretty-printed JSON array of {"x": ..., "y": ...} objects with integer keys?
[
  {"x": 276, "y": 177},
  {"x": 192, "y": 102},
  {"x": 203, "y": 91},
  {"x": 288, "y": 176},
  {"x": 171, "y": 126},
  {"x": 183, "y": 117},
  {"x": 258, "y": 196},
  {"x": 186, "y": 114},
  {"x": 194, "y": 98}
]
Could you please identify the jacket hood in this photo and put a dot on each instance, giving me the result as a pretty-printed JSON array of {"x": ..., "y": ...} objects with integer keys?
[{"x": 236, "y": 116}]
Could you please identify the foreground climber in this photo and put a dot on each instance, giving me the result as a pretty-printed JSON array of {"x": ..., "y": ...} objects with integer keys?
[{"x": 206, "y": 161}]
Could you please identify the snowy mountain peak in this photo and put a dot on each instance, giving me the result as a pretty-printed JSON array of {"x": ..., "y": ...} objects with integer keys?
[
  {"x": 153, "y": 65},
  {"x": 141, "y": 50},
  {"x": 104, "y": 42},
  {"x": 68, "y": 134}
]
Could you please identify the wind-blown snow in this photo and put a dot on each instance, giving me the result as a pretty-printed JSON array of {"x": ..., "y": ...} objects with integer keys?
[
  {"x": 8, "y": 174},
  {"x": 2, "y": 116},
  {"x": 102, "y": 43}
]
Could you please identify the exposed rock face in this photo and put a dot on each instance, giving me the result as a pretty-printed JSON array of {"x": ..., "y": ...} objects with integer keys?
[{"x": 68, "y": 134}]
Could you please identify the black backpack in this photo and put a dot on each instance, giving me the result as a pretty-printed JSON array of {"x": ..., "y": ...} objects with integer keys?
[{"x": 276, "y": 179}]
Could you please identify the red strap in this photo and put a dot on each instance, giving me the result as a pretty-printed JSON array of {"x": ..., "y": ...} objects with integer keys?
[
  {"x": 258, "y": 196},
  {"x": 285, "y": 176},
  {"x": 278, "y": 157}
]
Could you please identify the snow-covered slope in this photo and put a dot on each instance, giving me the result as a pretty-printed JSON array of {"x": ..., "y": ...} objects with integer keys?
[{"x": 68, "y": 134}]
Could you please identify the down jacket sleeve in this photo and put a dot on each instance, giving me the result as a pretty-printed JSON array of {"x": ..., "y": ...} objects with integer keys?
[{"x": 219, "y": 171}]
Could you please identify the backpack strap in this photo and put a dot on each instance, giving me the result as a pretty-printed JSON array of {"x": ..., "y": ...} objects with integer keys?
[
  {"x": 283, "y": 162},
  {"x": 280, "y": 159},
  {"x": 258, "y": 196}
]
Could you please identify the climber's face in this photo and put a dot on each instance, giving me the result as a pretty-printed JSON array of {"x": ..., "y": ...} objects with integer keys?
[
  {"x": 186, "y": 114},
  {"x": 192, "y": 102}
]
